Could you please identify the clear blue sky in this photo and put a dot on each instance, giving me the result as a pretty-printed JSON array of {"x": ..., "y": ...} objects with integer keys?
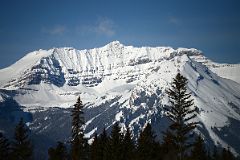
[{"x": 212, "y": 26}]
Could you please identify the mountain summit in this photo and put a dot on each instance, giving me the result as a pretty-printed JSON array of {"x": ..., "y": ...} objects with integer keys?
[
  {"x": 122, "y": 84},
  {"x": 69, "y": 66}
]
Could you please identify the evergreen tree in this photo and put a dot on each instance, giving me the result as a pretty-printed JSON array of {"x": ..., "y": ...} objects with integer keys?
[
  {"x": 115, "y": 143},
  {"x": 4, "y": 147},
  {"x": 95, "y": 149},
  {"x": 224, "y": 154},
  {"x": 230, "y": 155},
  {"x": 99, "y": 150},
  {"x": 22, "y": 146},
  {"x": 180, "y": 113},
  {"x": 147, "y": 146},
  {"x": 128, "y": 146},
  {"x": 168, "y": 148},
  {"x": 58, "y": 153},
  {"x": 78, "y": 142},
  {"x": 199, "y": 152},
  {"x": 209, "y": 156},
  {"x": 215, "y": 155},
  {"x": 104, "y": 146},
  {"x": 227, "y": 154}
]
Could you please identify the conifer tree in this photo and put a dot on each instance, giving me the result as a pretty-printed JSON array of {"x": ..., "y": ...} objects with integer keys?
[
  {"x": 58, "y": 153},
  {"x": 4, "y": 147},
  {"x": 146, "y": 148},
  {"x": 224, "y": 154},
  {"x": 215, "y": 155},
  {"x": 209, "y": 156},
  {"x": 99, "y": 150},
  {"x": 78, "y": 142},
  {"x": 180, "y": 113},
  {"x": 168, "y": 148},
  {"x": 230, "y": 155},
  {"x": 227, "y": 154},
  {"x": 95, "y": 149},
  {"x": 128, "y": 146},
  {"x": 22, "y": 146},
  {"x": 198, "y": 152},
  {"x": 104, "y": 146},
  {"x": 115, "y": 143}
]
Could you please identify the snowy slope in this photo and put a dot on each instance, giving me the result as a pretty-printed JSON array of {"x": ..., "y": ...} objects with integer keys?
[
  {"x": 69, "y": 66},
  {"x": 124, "y": 84},
  {"x": 228, "y": 71},
  {"x": 21, "y": 66}
]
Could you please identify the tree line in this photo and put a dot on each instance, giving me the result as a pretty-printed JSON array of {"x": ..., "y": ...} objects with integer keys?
[
  {"x": 20, "y": 148},
  {"x": 179, "y": 141}
]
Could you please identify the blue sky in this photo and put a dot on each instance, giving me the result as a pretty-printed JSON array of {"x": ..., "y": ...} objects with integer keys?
[{"x": 212, "y": 26}]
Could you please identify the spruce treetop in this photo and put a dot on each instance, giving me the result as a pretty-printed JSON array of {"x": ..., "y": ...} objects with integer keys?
[{"x": 181, "y": 111}]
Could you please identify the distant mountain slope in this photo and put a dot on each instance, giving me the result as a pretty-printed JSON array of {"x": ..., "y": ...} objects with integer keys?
[
  {"x": 229, "y": 71},
  {"x": 124, "y": 84}
]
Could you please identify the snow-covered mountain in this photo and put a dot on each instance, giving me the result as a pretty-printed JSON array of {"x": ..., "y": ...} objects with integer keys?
[{"x": 118, "y": 83}]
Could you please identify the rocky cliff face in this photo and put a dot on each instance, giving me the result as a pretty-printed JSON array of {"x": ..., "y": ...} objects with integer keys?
[
  {"x": 121, "y": 84},
  {"x": 72, "y": 67}
]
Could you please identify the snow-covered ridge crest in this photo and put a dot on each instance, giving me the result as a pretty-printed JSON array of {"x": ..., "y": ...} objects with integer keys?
[
  {"x": 65, "y": 65},
  {"x": 119, "y": 83}
]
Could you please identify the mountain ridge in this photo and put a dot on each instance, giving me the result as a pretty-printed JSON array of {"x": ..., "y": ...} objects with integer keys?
[
  {"x": 115, "y": 46},
  {"x": 122, "y": 84}
]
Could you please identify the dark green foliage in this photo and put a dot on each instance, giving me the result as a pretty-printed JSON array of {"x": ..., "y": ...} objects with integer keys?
[
  {"x": 175, "y": 144},
  {"x": 22, "y": 147},
  {"x": 198, "y": 151},
  {"x": 99, "y": 150},
  {"x": 128, "y": 146},
  {"x": 95, "y": 149},
  {"x": 209, "y": 156},
  {"x": 78, "y": 143},
  {"x": 223, "y": 154},
  {"x": 147, "y": 146},
  {"x": 104, "y": 145},
  {"x": 58, "y": 153},
  {"x": 4, "y": 147},
  {"x": 180, "y": 113},
  {"x": 168, "y": 147},
  {"x": 115, "y": 143},
  {"x": 227, "y": 154},
  {"x": 215, "y": 155}
]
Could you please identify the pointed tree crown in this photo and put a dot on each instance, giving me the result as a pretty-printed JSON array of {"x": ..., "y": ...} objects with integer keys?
[{"x": 181, "y": 111}]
